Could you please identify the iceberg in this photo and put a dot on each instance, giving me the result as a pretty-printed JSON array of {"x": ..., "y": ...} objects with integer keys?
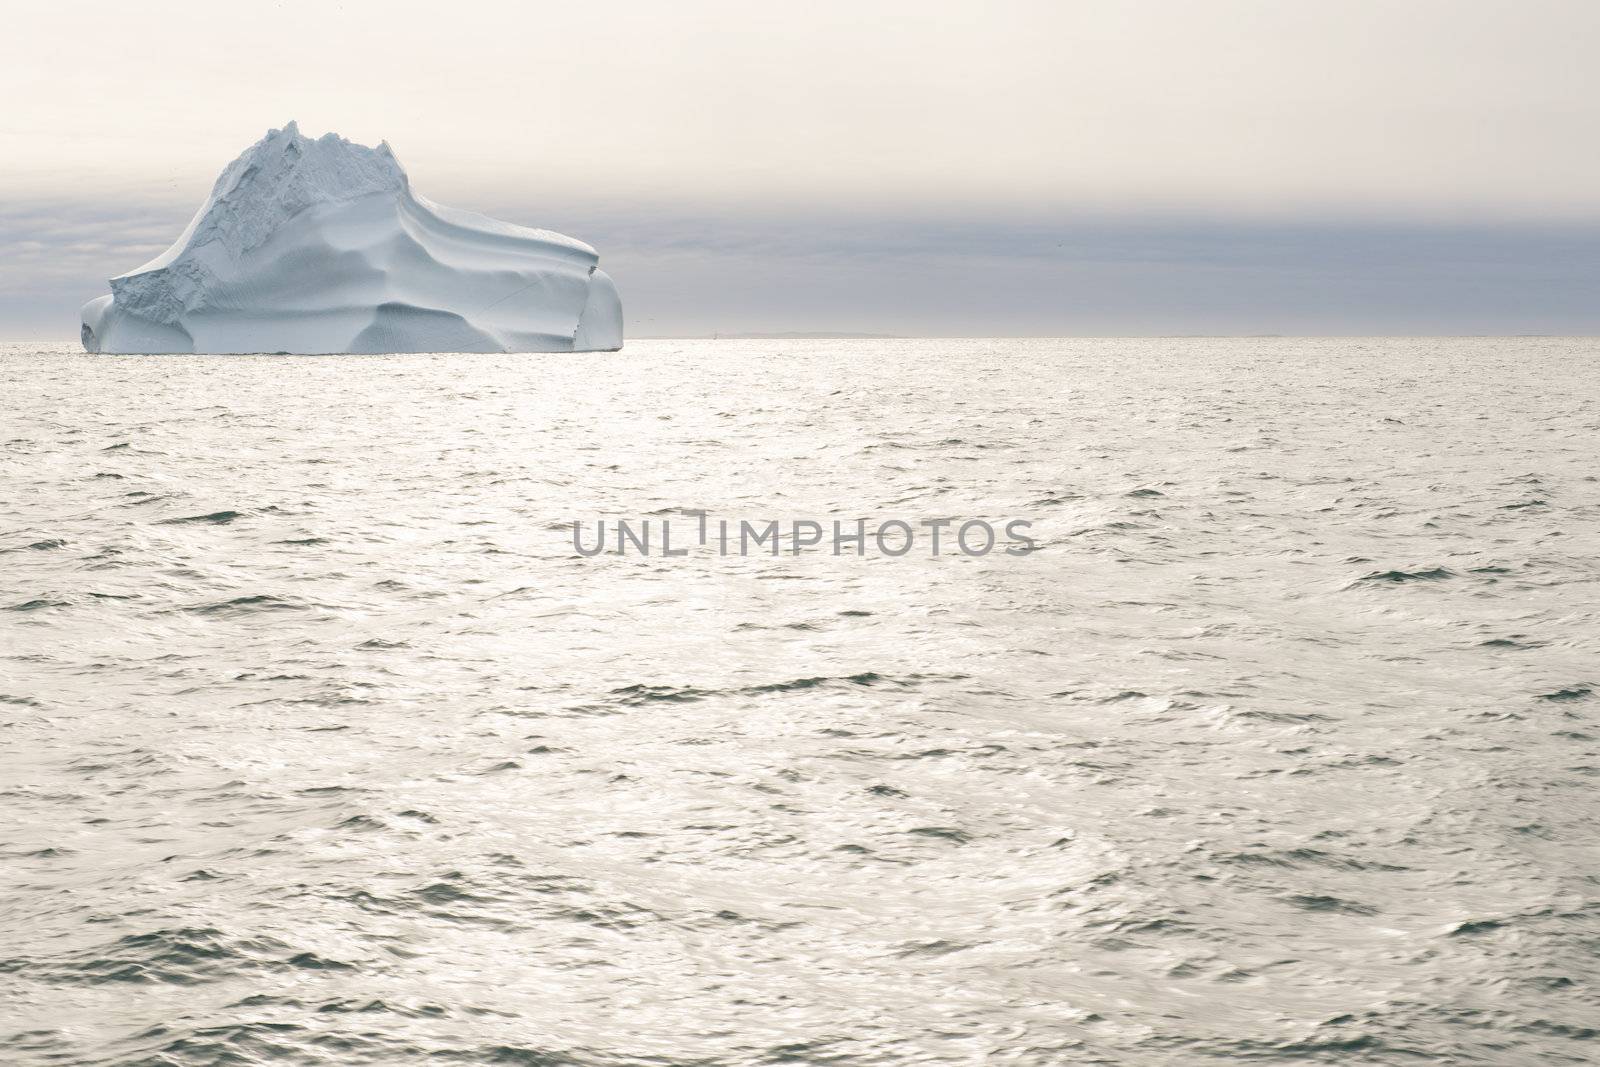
[{"x": 320, "y": 246}]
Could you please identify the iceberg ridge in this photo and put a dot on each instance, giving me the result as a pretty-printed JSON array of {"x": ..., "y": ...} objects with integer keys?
[{"x": 319, "y": 246}]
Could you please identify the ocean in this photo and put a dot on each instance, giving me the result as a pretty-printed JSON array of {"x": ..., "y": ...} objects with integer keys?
[{"x": 1274, "y": 737}]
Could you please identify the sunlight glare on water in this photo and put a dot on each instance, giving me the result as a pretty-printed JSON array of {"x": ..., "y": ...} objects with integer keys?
[{"x": 322, "y": 745}]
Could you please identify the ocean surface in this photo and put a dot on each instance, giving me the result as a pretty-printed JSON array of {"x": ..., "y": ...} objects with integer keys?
[{"x": 320, "y": 744}]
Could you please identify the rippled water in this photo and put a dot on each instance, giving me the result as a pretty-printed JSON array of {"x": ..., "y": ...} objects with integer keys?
[{"x": 321, "y": 744}]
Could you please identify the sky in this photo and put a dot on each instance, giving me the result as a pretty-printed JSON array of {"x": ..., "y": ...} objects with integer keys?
[{"x": 944, "y": 167}]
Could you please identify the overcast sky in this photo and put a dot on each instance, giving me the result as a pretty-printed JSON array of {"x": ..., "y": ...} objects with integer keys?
[{"x": 1115, "y": 166}]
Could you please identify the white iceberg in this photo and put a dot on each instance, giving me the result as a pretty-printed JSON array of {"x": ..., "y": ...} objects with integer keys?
[{"x": 310, "y": 246}]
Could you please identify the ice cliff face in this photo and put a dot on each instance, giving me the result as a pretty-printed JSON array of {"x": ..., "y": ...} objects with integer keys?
[{"x": 321, "y": 246}]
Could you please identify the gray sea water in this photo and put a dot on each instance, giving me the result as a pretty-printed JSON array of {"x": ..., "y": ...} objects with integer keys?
[{"x": 321, "y": 744}]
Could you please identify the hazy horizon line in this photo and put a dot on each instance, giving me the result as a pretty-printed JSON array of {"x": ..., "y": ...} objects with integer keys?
[
  {"x": 845, "y": 336},
  {"x": 713, "y": 269}
]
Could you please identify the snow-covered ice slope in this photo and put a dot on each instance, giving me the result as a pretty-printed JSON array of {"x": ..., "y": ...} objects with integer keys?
[{"x": 321, "y": 246}]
